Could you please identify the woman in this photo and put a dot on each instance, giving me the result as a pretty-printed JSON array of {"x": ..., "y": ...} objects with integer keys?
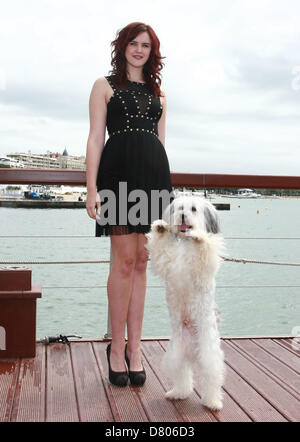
[{"x": 132, "y": 106}]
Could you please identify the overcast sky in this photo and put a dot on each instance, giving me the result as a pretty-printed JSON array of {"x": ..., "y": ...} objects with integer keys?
[{"x": 231, "y": 75}]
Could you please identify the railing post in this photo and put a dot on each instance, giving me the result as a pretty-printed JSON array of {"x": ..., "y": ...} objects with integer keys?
[{"x": 108, "y": 333}]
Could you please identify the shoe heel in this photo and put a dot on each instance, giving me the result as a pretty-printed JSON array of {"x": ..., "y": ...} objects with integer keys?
[
  {"x": 137, "y": 378},
  {"x": 119, "y": 378}
]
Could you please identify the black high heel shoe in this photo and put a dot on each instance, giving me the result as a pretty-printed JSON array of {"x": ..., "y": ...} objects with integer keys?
[
  {"x": 119, "y": 378},
  {"x": 137, "y": 378}
]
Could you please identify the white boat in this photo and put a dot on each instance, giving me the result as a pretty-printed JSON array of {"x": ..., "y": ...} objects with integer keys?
[
  {"x": 245, "y": 193},
  {"x": 186, "y": 192}
]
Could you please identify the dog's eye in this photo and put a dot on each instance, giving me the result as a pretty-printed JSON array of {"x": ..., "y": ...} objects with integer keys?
[{"x": 194, "y": 209}]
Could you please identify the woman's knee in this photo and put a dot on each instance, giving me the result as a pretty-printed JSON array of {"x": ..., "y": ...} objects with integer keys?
[
  {"x": 130, "y": 255},
  {"x": 125, "y": 265},
  {"x": 141, "y": 262},
  {"x": 124, "y": 253}
]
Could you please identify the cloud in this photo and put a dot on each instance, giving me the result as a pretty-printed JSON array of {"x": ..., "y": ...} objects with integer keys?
[{"x": 231, "y": 75}]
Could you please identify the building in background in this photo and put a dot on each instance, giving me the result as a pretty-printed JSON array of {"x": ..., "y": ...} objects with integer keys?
[{"x": 50, "y": 160}]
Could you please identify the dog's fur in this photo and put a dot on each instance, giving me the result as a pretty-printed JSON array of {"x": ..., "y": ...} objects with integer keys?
[{"x": 184, "y": 248}]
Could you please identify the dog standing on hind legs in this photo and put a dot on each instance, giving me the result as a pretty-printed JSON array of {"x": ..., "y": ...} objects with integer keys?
[{"x": 185, "y": 248}]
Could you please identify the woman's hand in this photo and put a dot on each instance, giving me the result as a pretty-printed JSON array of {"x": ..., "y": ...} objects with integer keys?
[{"x": 92, "y": 201}]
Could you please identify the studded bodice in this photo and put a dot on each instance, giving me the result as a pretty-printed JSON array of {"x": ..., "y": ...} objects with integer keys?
[{"x": 133, "y": 110}]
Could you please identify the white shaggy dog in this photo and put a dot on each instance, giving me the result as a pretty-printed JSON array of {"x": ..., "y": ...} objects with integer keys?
[{"x": 185, "y": 251}]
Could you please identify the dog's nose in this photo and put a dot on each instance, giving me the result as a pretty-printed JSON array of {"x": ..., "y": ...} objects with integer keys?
[{"x": 182, "y": 218}]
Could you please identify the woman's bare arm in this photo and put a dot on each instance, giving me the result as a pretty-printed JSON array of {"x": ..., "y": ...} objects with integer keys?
[{"x": 95, "y": 143}]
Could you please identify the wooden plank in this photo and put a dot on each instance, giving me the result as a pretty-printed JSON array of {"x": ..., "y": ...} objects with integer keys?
[
  {"x": 61, "y": 405},
  {"x": 256, "y": 407},
  {"x": 288, "y": 343},
  {"x": 278, "y": 397},
  {"x": 281, "y": 353},
  {"x": 29, "y": 403},
  {"x": 92, "y": 401},
  {"x": 231, "y": 411},
  {"x": 151, "y": 395},
  {"x": 279, "y": 372},
  {"x": 190, "y": 409},
  {"x": 124, "y": 402},
  {"x": 9, "y": 371}
]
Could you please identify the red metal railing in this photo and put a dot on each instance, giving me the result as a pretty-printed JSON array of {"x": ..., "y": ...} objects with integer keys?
[{"x": 207, "y": 180}]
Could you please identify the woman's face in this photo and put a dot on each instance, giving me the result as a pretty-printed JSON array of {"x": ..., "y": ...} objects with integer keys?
[{"x": 138, "y": 50}]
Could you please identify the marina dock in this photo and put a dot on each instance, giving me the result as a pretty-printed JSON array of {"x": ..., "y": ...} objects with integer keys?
[
  {"x": 42, "y": 204},
  {"x": 50, "y": 204}
]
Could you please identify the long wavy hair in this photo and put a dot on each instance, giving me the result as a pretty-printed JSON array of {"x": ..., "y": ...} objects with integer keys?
[{"x": 151, "y": 68}]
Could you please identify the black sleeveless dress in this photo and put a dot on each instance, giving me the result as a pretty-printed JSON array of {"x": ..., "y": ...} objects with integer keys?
[{"x": 133, "y": 181}]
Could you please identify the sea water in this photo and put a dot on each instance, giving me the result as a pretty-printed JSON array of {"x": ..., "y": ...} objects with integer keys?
[{"x": 253, "y": 299}]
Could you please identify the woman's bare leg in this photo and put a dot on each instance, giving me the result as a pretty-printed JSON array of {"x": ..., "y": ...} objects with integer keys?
[
  {"x": 136, "y": 305},
  {"x": 119, "y": 287}
]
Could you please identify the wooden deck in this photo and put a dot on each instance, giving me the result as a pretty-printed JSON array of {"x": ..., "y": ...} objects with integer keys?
[{"x": 71, "y": 384}]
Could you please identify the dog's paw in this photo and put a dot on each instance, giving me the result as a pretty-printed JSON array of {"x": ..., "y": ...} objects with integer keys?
[
  {"x": 176, "y": 394},
  {"x": 196, "y": 236},
  {"x": 159, "y": 226},
  {"x": 214, "y": 404}
]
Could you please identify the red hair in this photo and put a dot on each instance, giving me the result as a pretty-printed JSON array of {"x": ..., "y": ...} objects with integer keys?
[{"x": 151, "y": 68}]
